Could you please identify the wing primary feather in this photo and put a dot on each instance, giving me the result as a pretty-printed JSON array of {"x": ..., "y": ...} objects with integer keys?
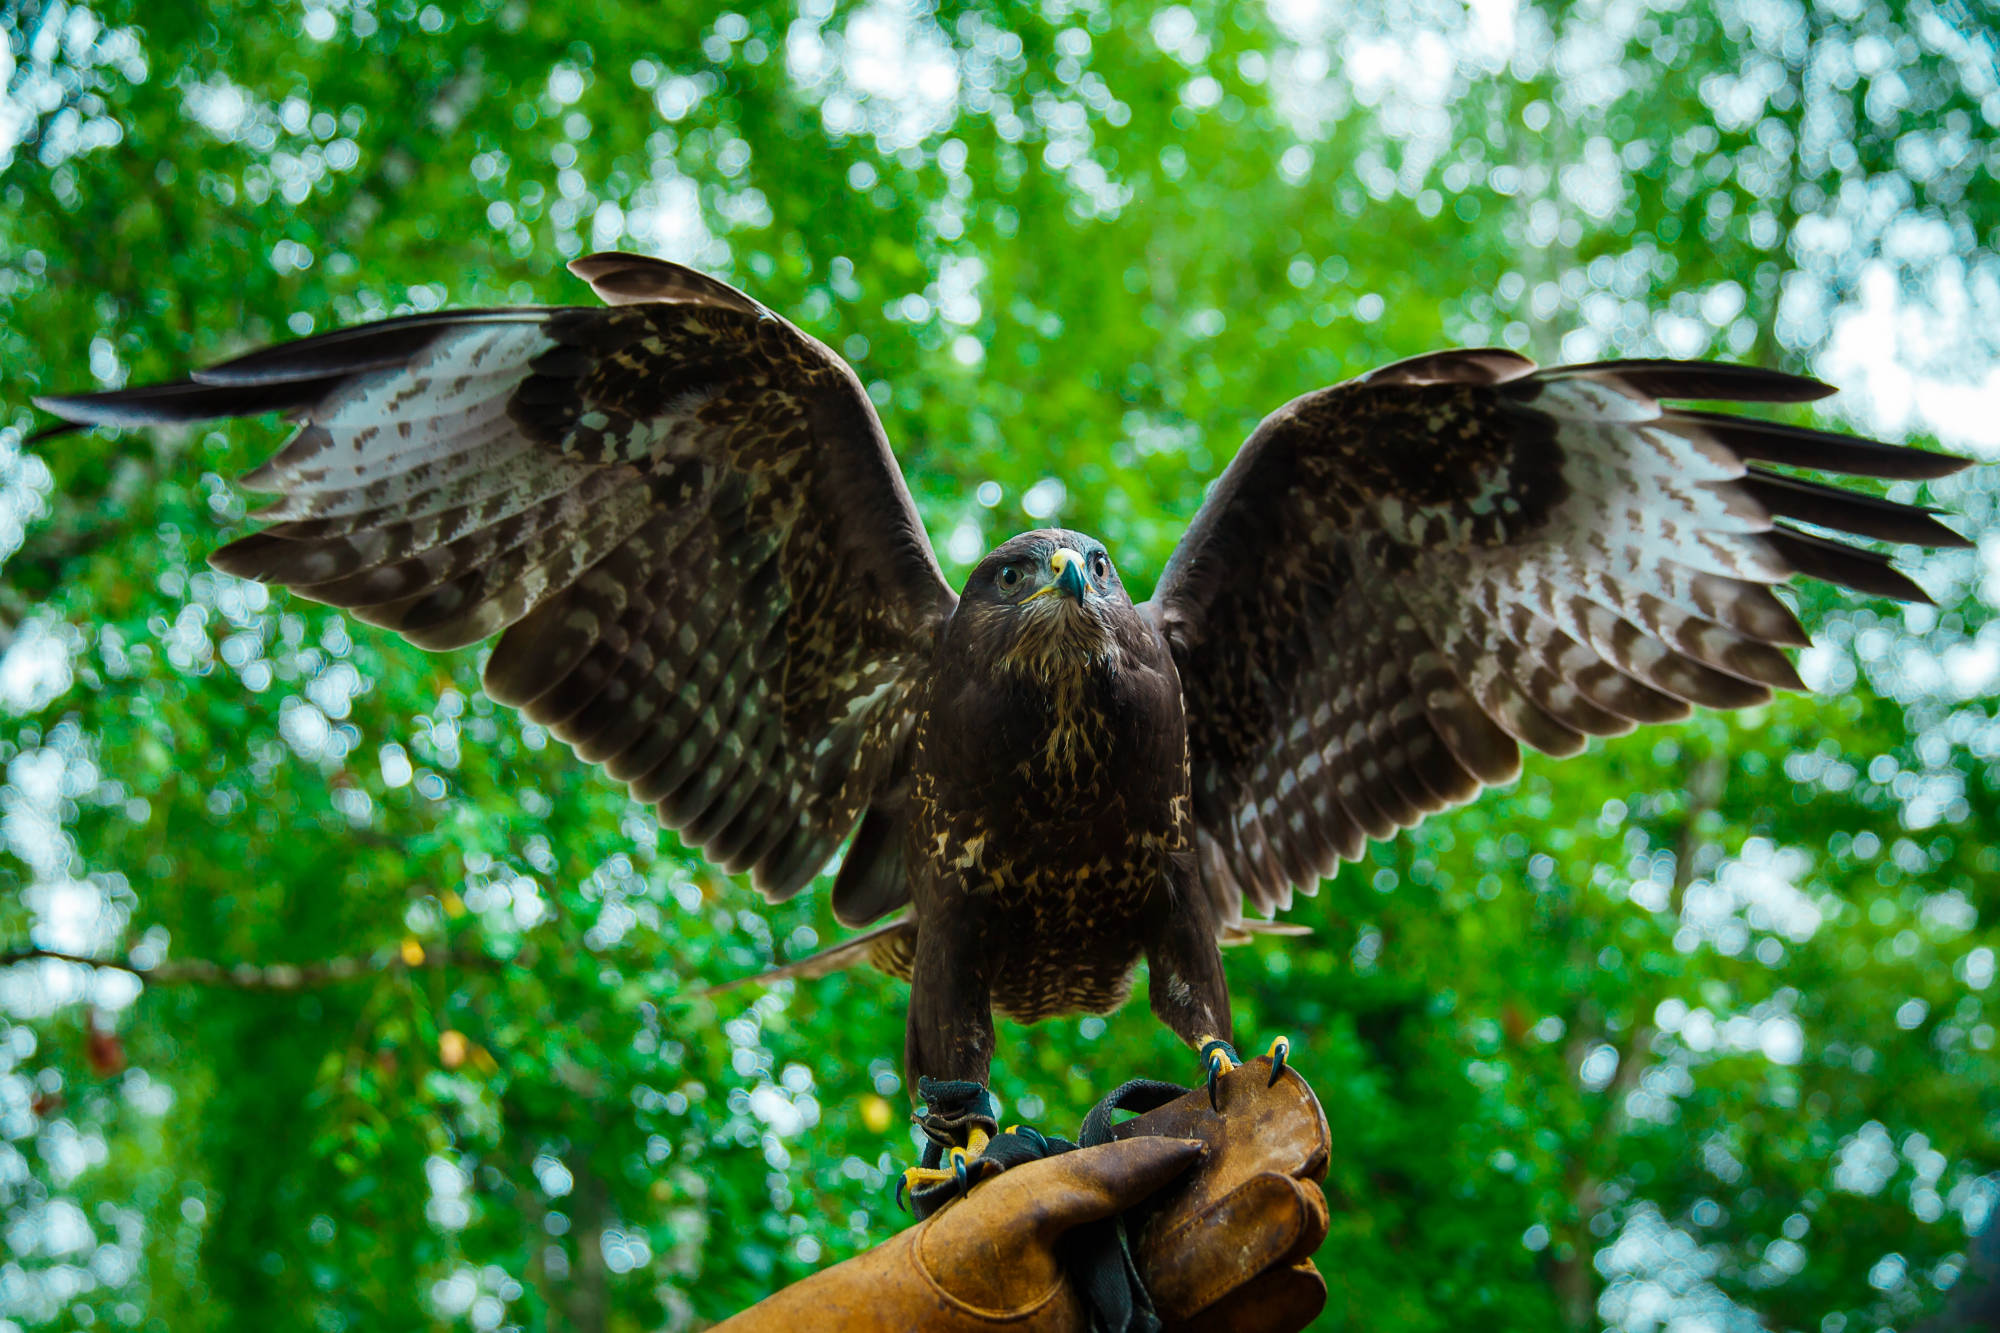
[
  {"x": 178, "y": 403},
  {"x": 386, "y": 344},
  {"x": 1847, "y": 511},
  {"x": 1849, "y": 566},
  {"x": 1699, "y": 380},
  {"x": 448, "y": 484},
  {"x": 1823, "y": 450},
  {"x": 289, "y": 377}
]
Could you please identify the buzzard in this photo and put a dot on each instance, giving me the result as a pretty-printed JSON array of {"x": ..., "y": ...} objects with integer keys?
[{"x": 680, "y": 514}]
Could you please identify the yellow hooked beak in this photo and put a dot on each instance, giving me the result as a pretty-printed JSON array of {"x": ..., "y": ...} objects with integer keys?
[{"x": 1068, "y": 567}]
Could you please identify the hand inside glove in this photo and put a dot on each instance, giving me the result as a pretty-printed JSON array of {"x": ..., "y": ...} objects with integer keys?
[{"x": 1222, "y": 1212}]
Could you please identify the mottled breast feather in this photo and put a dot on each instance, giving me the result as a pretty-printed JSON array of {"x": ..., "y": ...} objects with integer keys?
[
  {"x": 679, "y": 513},
  {"x": 1048, "y": 797},
  {"x": 1400, "y": 581}
]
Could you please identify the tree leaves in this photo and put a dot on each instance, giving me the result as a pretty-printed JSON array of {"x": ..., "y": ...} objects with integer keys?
[{"x": 1599, "y": 1043}]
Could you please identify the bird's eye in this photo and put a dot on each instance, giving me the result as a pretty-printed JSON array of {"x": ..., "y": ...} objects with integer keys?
[
  {"x": 1100, "y": 566},
  {"x": 1010, "y": 578}
]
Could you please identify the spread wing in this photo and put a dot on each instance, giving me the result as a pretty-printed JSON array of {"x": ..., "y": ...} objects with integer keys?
[
  {"x": 1400, "y": 581},
  {"x": 681, "y": 511}
]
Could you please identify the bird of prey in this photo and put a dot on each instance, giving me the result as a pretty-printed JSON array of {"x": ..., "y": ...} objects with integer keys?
[{"x": 681, "y": 515}]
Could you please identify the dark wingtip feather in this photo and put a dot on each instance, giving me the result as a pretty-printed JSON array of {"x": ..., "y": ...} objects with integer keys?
[
  {"x": 1821, "y": 450},
  {"x": 56, "y": 431},
  {"x": 1699, "y": 380},
  {"x": 382, "y": 345},
  {"x": 1847, "y": 511},
  {"x": 179, "y": 402},
  {"x": 1848, "y": 566}
]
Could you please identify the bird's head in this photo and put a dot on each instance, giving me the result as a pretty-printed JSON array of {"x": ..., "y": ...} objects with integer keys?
[{"x": 1046, "y": 602}]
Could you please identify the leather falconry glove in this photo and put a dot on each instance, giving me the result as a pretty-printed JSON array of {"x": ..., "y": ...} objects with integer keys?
[
  {"x": 1222, "y": 1210},
  {"x": 1230, "y": 1248}
]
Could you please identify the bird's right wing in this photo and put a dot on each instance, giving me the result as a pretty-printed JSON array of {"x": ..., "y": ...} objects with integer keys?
[{"x": 681, "y": 510}]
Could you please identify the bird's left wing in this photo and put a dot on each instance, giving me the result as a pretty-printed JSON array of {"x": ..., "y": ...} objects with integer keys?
[
  {"x": 681, "y": 510},
  {"x": 1401, "y": 580}
]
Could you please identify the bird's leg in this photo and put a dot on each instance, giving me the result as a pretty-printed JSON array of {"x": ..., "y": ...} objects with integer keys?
[
  {"x": 1191, "y": 995},
  {"x": 948, "y": 1054},
  {"x": 959, "y": 1119}
]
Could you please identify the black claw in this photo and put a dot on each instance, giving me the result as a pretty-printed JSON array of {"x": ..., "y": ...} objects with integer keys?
[
  {"x": 958, "y": 1169},
  {"x": 1279, "y": 1053},
  {"x": 1213, "y": 1054},
  {"x": 902, "y": 1193}
]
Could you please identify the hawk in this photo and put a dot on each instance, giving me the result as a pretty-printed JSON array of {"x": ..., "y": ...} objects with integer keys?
[{"x": 680, "y": 514}]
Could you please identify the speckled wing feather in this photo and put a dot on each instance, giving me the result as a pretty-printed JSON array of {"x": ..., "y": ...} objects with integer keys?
[
  {"x": 680, "y": 510},
  {"x": 1400, "y": 581}
]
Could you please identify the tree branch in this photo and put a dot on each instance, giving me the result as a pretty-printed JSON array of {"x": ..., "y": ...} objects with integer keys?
[
  {"x": 268, "y": 976},
  {"x": 1573, "y": 1274}
]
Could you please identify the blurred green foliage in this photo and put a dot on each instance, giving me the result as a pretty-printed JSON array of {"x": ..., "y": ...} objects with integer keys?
[{"x": 1697, "y": 1027}]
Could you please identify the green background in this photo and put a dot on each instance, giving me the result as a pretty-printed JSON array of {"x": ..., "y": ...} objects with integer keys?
[{"x": 1696, "y": 1027}]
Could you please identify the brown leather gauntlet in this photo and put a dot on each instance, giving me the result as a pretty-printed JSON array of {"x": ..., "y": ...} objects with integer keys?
[
  {"x": 985, "y": 1262},
  {"x": 1223, "y": 1211},
  {"x": 1229, "y": 1248}
]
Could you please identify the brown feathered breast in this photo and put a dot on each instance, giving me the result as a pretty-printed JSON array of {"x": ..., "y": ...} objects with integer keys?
[{"x": 1048, "y": 785}]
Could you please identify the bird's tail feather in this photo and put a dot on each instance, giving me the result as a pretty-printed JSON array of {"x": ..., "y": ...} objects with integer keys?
[
  {"x": 890, "y": 946},
  {"x": 1242, "y": 932}
]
